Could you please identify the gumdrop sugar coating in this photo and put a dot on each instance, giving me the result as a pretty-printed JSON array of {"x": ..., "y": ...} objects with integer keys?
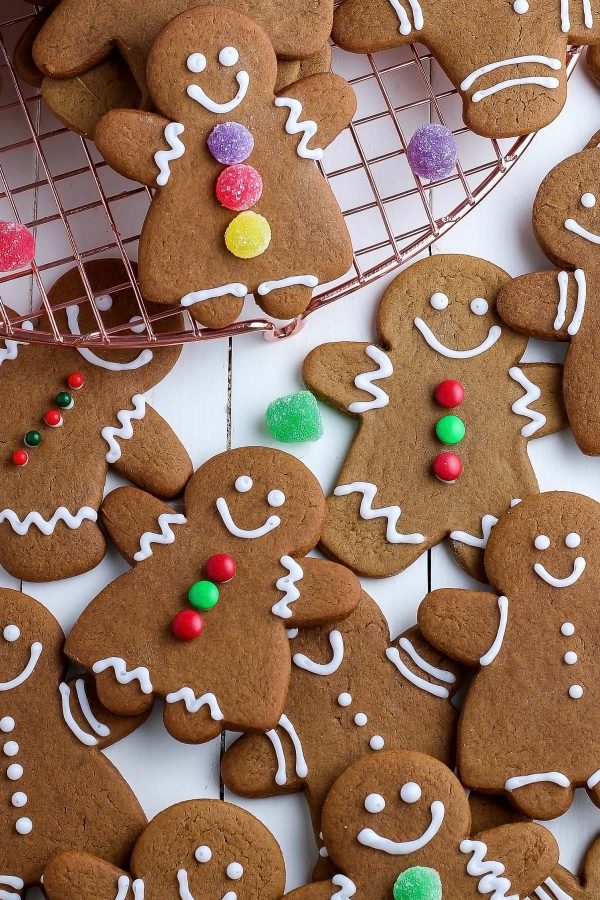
[
  {"x": 248, "y": 235},
  {"x": 295, "y": 418},
  {"x": 432, "y": 151},
  {"x": 230, "y": 143},
  {"x": 17, "y": 246},
  {"x": 239, "y": 187},
  {"x": 418, "y": 883}
]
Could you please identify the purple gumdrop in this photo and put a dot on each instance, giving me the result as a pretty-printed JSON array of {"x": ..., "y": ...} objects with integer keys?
[
  {"x": 432, "y": 151},
  {"x": 230, "y": 143}
]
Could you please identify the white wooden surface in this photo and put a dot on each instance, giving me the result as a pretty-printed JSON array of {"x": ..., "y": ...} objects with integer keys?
[{"x": 216, "y": 397}]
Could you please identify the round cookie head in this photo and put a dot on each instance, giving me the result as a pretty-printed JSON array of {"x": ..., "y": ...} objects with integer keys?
[
  {"x": 545, "y": 543},
  {"x": 447, "y": 305},
  {"x": 390, "y": 812},
  {"x": 30, "y": 644},
  {"x": 207, "y": 63}
]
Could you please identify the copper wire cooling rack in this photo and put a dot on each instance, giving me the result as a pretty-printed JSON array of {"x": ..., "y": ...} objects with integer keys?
[{"x": 57, "y": 185}]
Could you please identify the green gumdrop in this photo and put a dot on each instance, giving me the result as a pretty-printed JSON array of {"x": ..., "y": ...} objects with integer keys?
[
  {"x": 418, "y": 883},
  {"x": 294, "y": 418}
]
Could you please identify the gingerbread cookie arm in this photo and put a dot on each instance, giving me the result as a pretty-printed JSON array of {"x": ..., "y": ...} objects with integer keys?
[
  {"x": 325, "y": 99},
  {"x": 153, "y": 458},
  {"x": 79, "y": 876},
  {"x": 138, "y": 523},
  {"x": 465, "y": 625},
  {"x": 528, "y": 852},
  {"x": 540, "y": 398},
  {"x": 332, "y": 371},
  {"x": 262, "y": 765},
  {"x": 366, "y": 26},
  {"x": 129, "y": 140},
  {"x": 326, "y": 592},
  {"x": 74, "y": 39},
  {"x": 320, "y": 890},
  {"x": 546, "y": 305},
  {"x": 593, "y": 61},
  {"x": 90, "y": 722}
]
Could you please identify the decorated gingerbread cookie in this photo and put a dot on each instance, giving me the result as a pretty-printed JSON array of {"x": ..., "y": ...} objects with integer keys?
[
  {"x": 564, "y": 304},
  {"x": 203, "y": 616},
  {"x": 398, "y": 825},
  {"x": 201, "y": 848},
  {"x": 237, "y": 162},
  {"x": 68, "y": 415},
  {"x": 351, "y": 693},
  {"x": 53, "y": 775},
  {"x": 534, "y": 648},
  {"x": 435, "y": 398},
  {"x": 562, "y": 885},
  {"x": 505, "y": 57}
]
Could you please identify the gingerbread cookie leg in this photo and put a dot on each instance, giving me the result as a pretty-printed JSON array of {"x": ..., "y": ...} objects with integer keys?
[
  {"x": 77, "y": 54},
  {"x": 79, "y": 876}
]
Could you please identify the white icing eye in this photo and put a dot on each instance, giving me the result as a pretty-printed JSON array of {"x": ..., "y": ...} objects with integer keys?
[
  {"x": 228, "y": 56},
  {"x": 374, "y": 803},
  {"x": 542, "y": 542},
  {"x": 410, "y": 792},
  {"x": 572, "y": 540},
  {"x": 196, "y": 62},
  {"x": 276, "y": 498},
  {"x": 234, "y": 871},
  {"x": 521, "y": 7},
  {"x": 439, "y": 301},
  {"x": 104, "y": 302},
  {"x": 137, "y": 329},
  {"x": 203, "y": 854},
  {"x": 479, "y": 306},
  {"x": 11, "y": 633},
  {"x": 243, "y": 484},
  {"x": 588, "y": 200}
]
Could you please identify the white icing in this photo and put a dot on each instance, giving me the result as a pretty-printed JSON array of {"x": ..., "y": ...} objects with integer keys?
[
  {"x": 266, "y": 287},
  {"x": 435, "y": 689},
  {"x": 34, "y": 655},
  {"x": 14, "y": 772},
  {"x": 243, "y": 484},
  {"x": 521, "y": 7},
  {"x": 100, "y": 729},
  {"x": 364, "y": 382},
  {"x": 11, "y": 881},
  {"x": 343, "y": 699},
  {"x": 487, "y": 523},
  {"x": 570, "y": 658},
  {"x": 234, "y": 871},
  {"x": 360, "y": 720},
  {"x": 519, "y": 781},
  {"x": 184, "y": 887},
  {"x": 193, "y": 704},
  {"x": 88, "y": 739},
  {"x": 594, "y": 780},
  {"x": 142, "y": 359},
  {"x": 488, "y": 658},
  {"x": 123, "y": 888},
  {"x": 588, "y": 200},
  {"x": 7, "y": 724},
  {"x": 423, "y": 664},
  {"x": 196, "y": 93},
  {"x": 125, "y": 431},
  {"x": 411, "y": 792},
  {"x": 11, "y": 351},
  {"x": 439, "y": 301},
  {"x": 567, "y": 629},
  {"x": 139, "y": 327},
  {"x": 307, "y": 129},
  {"x": 19, "y": 800},
  {"x": 230, "y": 895},
  {"x": 10, "y": 748},
  {"x": 576, "y": 228},
  {"x": 104, "y": 302},
  {"x": 276, "y": 498},
  {"x": 291, "y": 633},
  {"x": 521, "y": 406},
  {"x": 138, "y": 889},
  {"x": 417, "y": 13},
  {"x": 301, "y": 767},
  {"x": 576, "y": 692},
  {"x": 572, "y": 540},
  {"x": 47, "y": 526},
  {"x": 565, "y": 16},
  {"x": 123, "y": 674},
  {"x": 287, "y": 584},
  {"x": 337, "y": 645},
  {"x": 557, "y": 891},
  {"x": 269, "y": 525},
  {"x": 24, "y": 826},
  {"x": 162, "y": 158},
  {"x": 549, "y": 62},
  {"x": 550, "y": 83},
  {"x": 374, "y": 803},
  {"x": 376, "y": 742},
  {"x": 578, "y": 570},
  {"x": 366, "y": 511},
  {"x": 229, "y": 56},
  {"x": 370, "y": 838},
  {"x": 561, "y": 310},
  {"x": 165, "y": 536},
  {"x": 196, "y": 63},
  {"x": 489, "y": 871},
  {"x": 203, "y": 854},
  {"x": 11, "y": 633},
  {"x": 493, "y": 335},
  {"x": 542, "y": 542},
  {"x": 237, "y": 289},
  {"x": 479, "y": 306},
  {"x": 347, "y": 888}
]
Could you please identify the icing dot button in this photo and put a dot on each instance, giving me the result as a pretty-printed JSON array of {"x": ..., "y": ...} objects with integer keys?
[
  {"x": 7, "y": 724},
  {"x": 10, "y": 748},
  {"x": 418, "y": 883},
  {"x": 19, "y": 799},
  {"x": 221, "y": 568},
  {"x": 234, "y": 871},
  {"x": 567, "y": 629},
  {"x": 570, "y": 658},
  {"x": 576, "y": 692},
  {"x": 360, "y": 719},
  {"x": 75, "y": 381},
  {"x": 14, "y": 772},
  {"x": 24, "y": 826},
  {"x": 449, "y": 393},
  {"x": 376, "y": 742},
  {"x": 187, "y": 625},
  {"x": 20, "y": 458},
  {"x": 450, "y": 429},
  {"x": 230, "y": 143},
  {"x": 32, "y": 439},
  {"x": 53, "y": 418},
  {"x": 248, "y": 235},
  {"x": 239, "y": 187},
  {"x": 447, "y": 467},
  {"x": 203, "y": 595},
  {"x": 344, "y": 699}
]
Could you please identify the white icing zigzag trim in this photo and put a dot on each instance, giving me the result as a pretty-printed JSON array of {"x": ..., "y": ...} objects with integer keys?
[
  {"x": 405, "y": 26},
  {"x": 391, "y": 513},
  {"x": 193, "y": 704},
  {"x": 307, "y": 129},
  {"x": 287, "y": 584},
  {"x": 490, "y": 882},
  {"x": 487, "y": 523},
  {"x": 347, "y": 888},
  {"x": 557, "y": 891},
  {"x": 125, "y": 432},
  {"x": 166, "y": 535},
  {"x": 337, "y": 646},
  {"x": 47, "y": 526},
  {"x": 123, "y": 674},
  {"x": 162, "y": 158},
  {"x": 521, "y": 406},
  {"x": 364, "y": 382}
]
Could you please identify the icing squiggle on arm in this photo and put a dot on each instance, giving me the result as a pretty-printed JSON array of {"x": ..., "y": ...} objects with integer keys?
[
  {"x": 337, "y": 645},
  {"x": 307, "y": 129},
  {"x": 287, "y": 584},
  {"x": 489, "y": 657},
  {"x": 125, "y": 432},
  {"x": 166, "y": 535},
  {"x": 193, "y": 704},
  {"x": 490, "y": 871},
  {"x": 11, "y": 881},
  {"x": 366, "y": 511},
  {"x": 437, "y": 690},
  {"x": 301, "y": 767},
  {"x": 364, "y": 382},
  {"x": 521, "y": 406},
  {"x": 347, "y": 888},
  {"x": 442, "y": 674},
  {"x": 123, "y": 674},
  {"x": 561, "y": 310},
  {"x": 162, "y": 158},
  {"x": 405, "y": 26},
  {"x": 487, "y": 523}
]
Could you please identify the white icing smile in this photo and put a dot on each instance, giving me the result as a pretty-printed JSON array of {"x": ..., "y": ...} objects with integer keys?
[
  {"x": 228, "y": 56},
  {"x": 142, "y": 359},
  {"x": 370, "y": 838},
  {"x": 34, "y": 655},
  {"x": 576, "y": 228},
  {"x": 492, "y": 336},
  {"x": 578, "y": 570},
  {"x": 269, "y": 525}
]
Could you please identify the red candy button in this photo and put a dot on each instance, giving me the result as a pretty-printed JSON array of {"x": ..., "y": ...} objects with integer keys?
[
  {"x": 75, "y": 381},
  {"x": 53, "y": 418},
  {"x": 220, "y": 567},
  {"x": 187, "y": 625},
  {"x": 449, "y": 393},
  {"x": 20, "y": 457},
  {"x": 17, "y": 246},
  {"x": 447, "y": 467}
]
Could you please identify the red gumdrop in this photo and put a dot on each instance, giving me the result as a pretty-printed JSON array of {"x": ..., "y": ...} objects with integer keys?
[
  {"x": 17, "y": 246},
  {"x": 20, "y": 457},
  {"x": 447, "y": 467},
  {"x": 187, "y": 625},
  {"x": 221, "y": 567},
  {"x": 239, "y": 187},
  {"x": 449, "y": 393}
]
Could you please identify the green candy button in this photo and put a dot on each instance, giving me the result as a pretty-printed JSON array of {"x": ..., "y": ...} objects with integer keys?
[
  {"x": 418, "y": 883},
  {"x": 64, "y": 400},
  {"x": 450, "y": 429},
  {"x": 33, "y": 439},
  {"x": 203, "y": 595}
]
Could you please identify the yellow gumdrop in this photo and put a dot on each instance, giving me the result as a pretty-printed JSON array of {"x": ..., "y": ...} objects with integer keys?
[{"x": 248, "y": 235}]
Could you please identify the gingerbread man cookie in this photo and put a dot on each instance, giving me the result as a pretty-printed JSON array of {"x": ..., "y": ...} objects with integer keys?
[
  {"x": 398, "y": 825},
  {"x": 53, "y": 775},
  {"x": 564, "y": 304},
  {"x": 201, "y": 848},
  {"x": 505, "y": 57},
  {"x": 237, "y": 162},
  {"x": 203, "y": 616},
  {"x": 351, "y": 693},
  {"x": 563, "y": 885},
  {"x": 68, "y": 415},
  {"x": 436, "y": 397},
  {"x": 534, "y": 647}
]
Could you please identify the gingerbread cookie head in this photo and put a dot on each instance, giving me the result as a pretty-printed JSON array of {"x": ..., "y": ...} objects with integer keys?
[{"x": 32, "y": 643}]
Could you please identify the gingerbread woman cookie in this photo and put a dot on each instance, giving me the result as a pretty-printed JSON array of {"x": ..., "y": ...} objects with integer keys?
[
  {"x": 505, "y": 57},
  {"x": 396, "y": 696},
  {"x": 564, "y": 304},
  {"x": 201, "y": 848},
  {"x": 233, "y": 160},
  {"x": 398, "y": 825},
  {"x": 204, "y": 613},
  {"x": 435, "y": 399},
  {"x": 534, "y": 647},
  {"x": 53, "y": 775},
  {"x": 68, "y": 415}
]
